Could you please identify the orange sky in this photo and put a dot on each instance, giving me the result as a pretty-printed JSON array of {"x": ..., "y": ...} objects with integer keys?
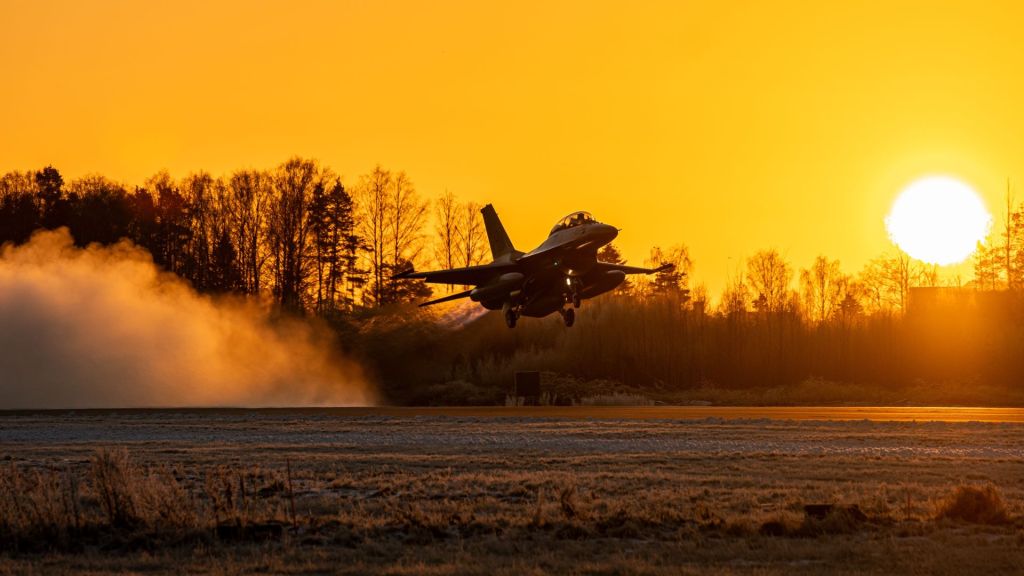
[{"x": 730, "y": 126}]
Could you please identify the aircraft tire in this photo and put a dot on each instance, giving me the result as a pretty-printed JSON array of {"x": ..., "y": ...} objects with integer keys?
[
  {"x": 569, "y": 316},
  {"x": 576, "y": 301},
  {"x": 510, "y": 318}
]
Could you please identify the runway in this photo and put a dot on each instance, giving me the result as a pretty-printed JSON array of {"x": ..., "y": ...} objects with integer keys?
[
  {"x": 837, "y": 413},
  {"x": 782, "y": 413}
]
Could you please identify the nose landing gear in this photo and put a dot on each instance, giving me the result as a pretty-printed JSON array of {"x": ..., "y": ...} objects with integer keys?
[{"x": 573, "y": 292}]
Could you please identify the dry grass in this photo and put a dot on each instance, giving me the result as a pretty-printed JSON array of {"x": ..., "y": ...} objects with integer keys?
[
  {"x": 113, "y": 503},
  {"x": 302, "y": 498}
]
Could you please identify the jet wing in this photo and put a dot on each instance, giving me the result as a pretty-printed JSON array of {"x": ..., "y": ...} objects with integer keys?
[
  {"x": 606, "y": 267},
  {"x": 469, "y": 276}
]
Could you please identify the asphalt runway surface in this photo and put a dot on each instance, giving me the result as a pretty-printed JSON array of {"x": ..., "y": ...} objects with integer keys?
[
  {"x": 824, "y": 413},
  {"x": 797, "y": 431},
  {"x": 817, "y": 413}
]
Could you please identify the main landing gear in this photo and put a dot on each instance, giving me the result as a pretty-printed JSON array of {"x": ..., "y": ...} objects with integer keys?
[
  {"x": 512, "y": 313},
  {"x": 511, "y": 316},
  {"x": 568, "y": 316}
]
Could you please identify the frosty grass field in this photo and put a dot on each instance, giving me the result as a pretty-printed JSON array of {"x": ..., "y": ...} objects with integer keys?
[{"x": 512, "y": 491}]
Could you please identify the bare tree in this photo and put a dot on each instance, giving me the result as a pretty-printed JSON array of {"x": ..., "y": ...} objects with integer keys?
[
  {"x": 735, "y": 299},
  {"x": 1010, "y": 233},
  {"x": 392, "y": 221},
  {"x": 1001, "y": 264},
  {"x": 102, "y": 213},
  {"x": 823, "y": 287},
  {"x": 199, "y": 193},
  {"x": 19, "y": 210},
  {"x": 769, "y": 275},
  {"x": 289, "y": 229},
  {"x": 172, "y": 226},
  {"x": 226, "y": 268},
  {"x": 1013, "y": 243},
  {"x": 986, "y": 267},
  {"x": 446, "y": 231},
  {"x": 248, "y": 198},
  {"x": 1016, "y": 268},
  {"x": 18, "y": 184},
  {"x": 699, "y": 297},
  {"x": 886, "y": 281},
  {"x": 472, "y": 241},
  {"x": 374, "y": 206},
  {"x": 926, "y": 274},
  {"x": 406, "y": 220}
]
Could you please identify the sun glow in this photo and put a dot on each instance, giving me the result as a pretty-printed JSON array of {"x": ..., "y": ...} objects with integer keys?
[{"x": 938, "y": 220}]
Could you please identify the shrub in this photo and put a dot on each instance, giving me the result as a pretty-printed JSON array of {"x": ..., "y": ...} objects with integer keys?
[
  {"x": 115, "y": 483},
  {"x": 974, "y": 504}
]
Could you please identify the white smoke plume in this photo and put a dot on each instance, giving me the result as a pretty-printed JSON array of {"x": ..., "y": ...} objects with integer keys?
[
  {"x": 457, "y": 314},
  {"x": 104, "y": 327}
]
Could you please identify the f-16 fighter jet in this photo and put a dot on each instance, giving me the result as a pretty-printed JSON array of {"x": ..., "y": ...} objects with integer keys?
[{"x": 554, "y": 277}]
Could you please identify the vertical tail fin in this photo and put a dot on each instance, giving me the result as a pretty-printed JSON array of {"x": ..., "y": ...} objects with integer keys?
[{"x": 500, "y": 243}]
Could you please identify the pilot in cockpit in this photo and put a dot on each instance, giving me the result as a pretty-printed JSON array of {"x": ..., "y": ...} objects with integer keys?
[{"x": 573, "y": 220}]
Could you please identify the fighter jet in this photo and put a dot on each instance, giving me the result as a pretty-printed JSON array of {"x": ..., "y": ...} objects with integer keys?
[{"x": 553, "y": 277}]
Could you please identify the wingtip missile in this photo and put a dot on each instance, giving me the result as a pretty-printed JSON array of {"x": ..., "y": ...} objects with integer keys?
[{"x": 447, "y": 298}]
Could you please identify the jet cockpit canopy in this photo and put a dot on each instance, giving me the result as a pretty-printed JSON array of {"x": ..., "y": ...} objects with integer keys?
[{"x": 573, "y": 220}]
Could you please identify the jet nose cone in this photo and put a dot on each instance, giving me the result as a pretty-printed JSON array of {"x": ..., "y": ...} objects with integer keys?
[{"x": 607, "y": 233}]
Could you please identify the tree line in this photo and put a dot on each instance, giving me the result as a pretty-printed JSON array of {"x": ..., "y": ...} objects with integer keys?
[
  {"x": 298, "y": 235},
  {"x": 887, "y": 334},
  {"x": 895, "y": 331},
  {"x": 295, "y": 232}
]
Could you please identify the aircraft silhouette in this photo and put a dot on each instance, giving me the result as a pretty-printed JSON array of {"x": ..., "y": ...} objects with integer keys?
[{"x": 563, "y": 270}]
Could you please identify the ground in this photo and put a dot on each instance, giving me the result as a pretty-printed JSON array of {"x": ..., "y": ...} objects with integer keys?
[{"x": 510, "y": 491}]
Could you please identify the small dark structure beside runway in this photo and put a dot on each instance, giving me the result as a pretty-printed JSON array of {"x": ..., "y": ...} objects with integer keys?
[{"x": 526, "y": 388}]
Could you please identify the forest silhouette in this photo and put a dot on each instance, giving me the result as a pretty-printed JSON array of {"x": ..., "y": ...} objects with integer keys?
[{"x": 300, "y": 242}]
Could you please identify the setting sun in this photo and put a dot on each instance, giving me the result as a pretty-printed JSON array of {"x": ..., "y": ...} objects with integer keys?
[{"x": 938, "y": 220}]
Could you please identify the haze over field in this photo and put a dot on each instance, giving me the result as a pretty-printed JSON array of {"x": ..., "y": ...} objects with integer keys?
[{"x": 103, "y": 327}]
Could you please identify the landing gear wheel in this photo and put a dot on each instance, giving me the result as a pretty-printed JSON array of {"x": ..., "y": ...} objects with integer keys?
[
  {"x": 510, "y": 318},
  {"x": 575, "y": 301},
  {"x": 569, "y": 317}
]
